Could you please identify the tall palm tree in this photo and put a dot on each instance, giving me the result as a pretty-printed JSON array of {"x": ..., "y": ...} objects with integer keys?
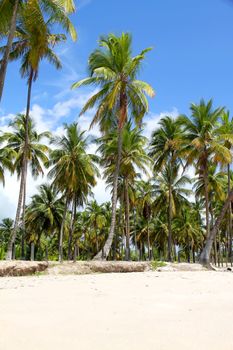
[
  {"x": 73, "y": 170},
  {"x": 133, "y": 159},
  {"x": 11, "y": 12},
  {"x": 34, "y": 42},
  {"x": 204, "y": 143},
  {"x": 36, "y": 158},
  {"x": 166, "y": 147},
  {"x": 121, "y": 97}
]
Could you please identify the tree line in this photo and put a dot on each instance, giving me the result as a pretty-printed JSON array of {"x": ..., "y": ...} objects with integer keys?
[{"x": 162, "y": 214}]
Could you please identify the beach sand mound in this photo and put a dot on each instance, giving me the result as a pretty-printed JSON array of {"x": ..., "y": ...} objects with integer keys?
[
  {"x": 170, "y": 267},
  {"x": 21, "y": 268},
  {"x": 87, "y": 267}
]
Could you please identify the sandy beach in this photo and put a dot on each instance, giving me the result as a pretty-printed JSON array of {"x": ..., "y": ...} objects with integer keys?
[{"x": 150, "y": 310}]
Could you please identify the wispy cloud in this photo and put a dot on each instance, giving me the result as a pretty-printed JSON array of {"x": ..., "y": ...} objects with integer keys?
[{"x": 83, "y": 3}]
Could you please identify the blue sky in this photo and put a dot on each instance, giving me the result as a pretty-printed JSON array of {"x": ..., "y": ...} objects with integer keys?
[
  {"x": 192, "y": 55},
  {"x": 192, "y": 58}
]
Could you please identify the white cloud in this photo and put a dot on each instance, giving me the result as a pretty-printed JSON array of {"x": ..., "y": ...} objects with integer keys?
[
  {"x": 51, "y": 119},
  {"x": 151, "y": 120}
]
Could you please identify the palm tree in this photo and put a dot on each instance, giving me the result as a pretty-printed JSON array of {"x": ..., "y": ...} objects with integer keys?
[
  {"x": 144, "y": 200},
  {"x": 226, "y": 129},
  {"x": 187, "y": 231},
  {"x": 96, "y": 219},
  {"x": 73, "y": 171},
  {"x": 33, "y": 43},
  {"x": 120, "y": 98},
  {"x": 166, "y": 147},
  {"x": 204, "y": 143},
  {"x": 6, "y": 227},
  {"x": 36, "y": 159},
  {"x": 133, "y": 159},
  {"x": 11, "y": 12},
  {"x": 6, "y": 156},
  {"x": 44, "y": 214},
  {"x": 171, "y": 194}
]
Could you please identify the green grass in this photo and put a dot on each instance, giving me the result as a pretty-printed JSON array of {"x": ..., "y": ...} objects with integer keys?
[{"x": 156, "y": 264}]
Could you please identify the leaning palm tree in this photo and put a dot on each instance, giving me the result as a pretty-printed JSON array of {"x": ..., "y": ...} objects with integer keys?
[
  {"x": 73, "y": 171},
  {"x": 166, "y": 146},
  {"x": 13, "y": 12},
  {"x": 204, "y": 144},
  {"x": 36, "y": 158},
  {"x": 34, "y": 42},
  {"x": 121, "y": 97}
]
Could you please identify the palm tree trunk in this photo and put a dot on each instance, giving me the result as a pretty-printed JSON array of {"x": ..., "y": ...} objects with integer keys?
[
  {"x": 71, "y": 231},
  {"x": 135, "y": 233},
  {"x": 32, "y": 254},
  {"x": 96, "y": 240},
  {"x": 60, "y": 258},
  {"x": 170, "y": 224},
  {"x": 5, "y": 58},
  {"x": 127, "y": 255},
  {"x": 205, "y": 175},
  {"x": 23, "y": 219},
  {"x": 11, "y": 242},
  {"x": 22, "y": 192},
  {"x": 148, "y": 238},
  {"x": 230, "y": 218},
  {"x": 103, "y": 254},
  {"x": 188, "y": 249},
  {"x": 205, "y": 254}
]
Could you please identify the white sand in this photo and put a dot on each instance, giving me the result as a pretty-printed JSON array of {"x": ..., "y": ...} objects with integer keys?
[{"x": 156, "y": 311}]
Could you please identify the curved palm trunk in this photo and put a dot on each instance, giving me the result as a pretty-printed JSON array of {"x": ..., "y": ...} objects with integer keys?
[
  {"x": 62, "y": 231},
  {"x": 169, "y": 256},
  {"x": 205, "y": 255},
  {"x": 127, "y": 252},
  {"x": 22, "y": 190},
  {"x": 103, "y": 254},
  {"x": 5, "y": 58}
]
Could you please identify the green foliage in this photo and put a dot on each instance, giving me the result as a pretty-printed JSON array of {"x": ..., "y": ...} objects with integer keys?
[{"x": 156, "y": 264}]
